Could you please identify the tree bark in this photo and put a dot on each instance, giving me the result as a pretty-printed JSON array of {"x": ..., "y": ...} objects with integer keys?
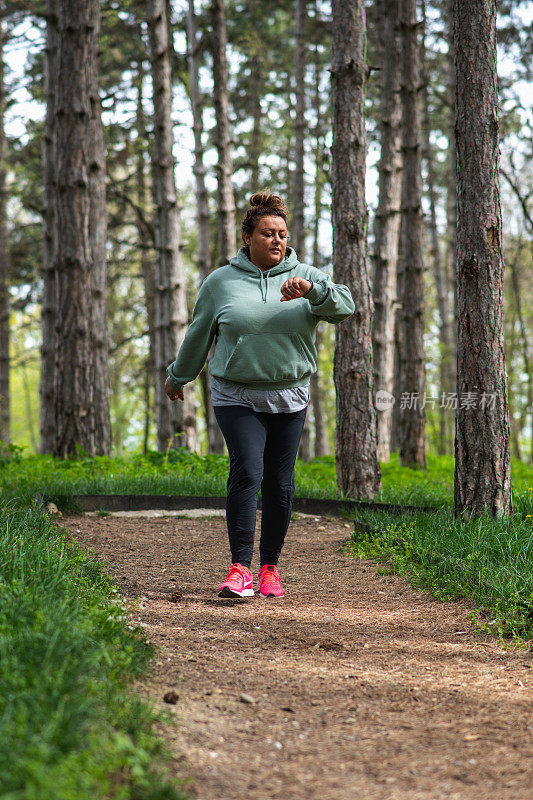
[
  {"x": 4, "y": 260},
  {"x": 482, "y": 440},
  {"x": 79, "y": 382},
  {"x": 176, "y": 422},
  {"x": 387, "y": 221},
  {"x": 446, "y": 374},
  {"x": 226, "y": 201},
  {"x": 412, "y": 448},
  {"x": 49, "y": 303},
  {"x": 358, "y": 473}
]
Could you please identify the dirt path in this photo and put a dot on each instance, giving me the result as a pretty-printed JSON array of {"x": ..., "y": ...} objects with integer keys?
[{"x": 363, "y": 687}]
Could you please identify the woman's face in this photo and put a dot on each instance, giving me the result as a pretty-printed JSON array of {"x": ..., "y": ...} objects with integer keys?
[{"x": 268, "y": 242}]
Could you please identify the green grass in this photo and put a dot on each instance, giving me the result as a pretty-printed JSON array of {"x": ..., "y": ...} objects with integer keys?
[
  {"x": 484, "y": 560},
  {"x": 183, "y": 473},
  {"x": 69, "y": 728},
  {"x": 489, "y": 561}
]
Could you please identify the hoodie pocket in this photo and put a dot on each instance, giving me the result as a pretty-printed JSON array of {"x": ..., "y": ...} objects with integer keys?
[{"x": 269, "y": 357}]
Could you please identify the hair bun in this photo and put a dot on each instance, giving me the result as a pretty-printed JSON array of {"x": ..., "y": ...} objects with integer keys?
[{"x": 268, "y": 200}]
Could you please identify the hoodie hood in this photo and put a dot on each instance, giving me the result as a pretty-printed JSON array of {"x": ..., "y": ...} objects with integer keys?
[{"x": 241, "y": 261}]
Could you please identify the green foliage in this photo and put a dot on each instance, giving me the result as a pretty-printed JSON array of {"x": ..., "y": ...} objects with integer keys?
[
  {"x": 181, "y": 472},
  {"x": 490, "y": 561},
  {"x": 68, "y": 728}
]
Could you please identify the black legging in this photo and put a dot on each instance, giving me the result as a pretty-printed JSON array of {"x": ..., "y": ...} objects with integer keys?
[{"x": 262, "y": 449}]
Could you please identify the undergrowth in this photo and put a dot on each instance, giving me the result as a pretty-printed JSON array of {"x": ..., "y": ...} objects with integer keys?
[
  {"x": 179, "y": 472},
  {"x": 69, "y": 728},
  {"x": 487, "y": 560}
]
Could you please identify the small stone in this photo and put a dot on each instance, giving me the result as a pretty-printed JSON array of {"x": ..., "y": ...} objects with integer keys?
[
  {"x": 278, "y": 745},
  {"x": 171, "y": 697},
  {"x": 247, "y": 698},
  {"x": 321, "y": 528}
]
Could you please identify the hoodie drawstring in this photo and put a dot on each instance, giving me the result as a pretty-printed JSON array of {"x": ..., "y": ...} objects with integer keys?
[{"x": 263, "y": 295}]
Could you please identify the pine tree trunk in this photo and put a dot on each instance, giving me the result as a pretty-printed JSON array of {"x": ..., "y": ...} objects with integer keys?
[
  {"x": 446, "y": 356},
  {"x": 176, "y": 422},
  {"x": 215, "y": 440},
  {"x": 226, "y": 201},
  {"x": 97, "y": 238},
  {"x": 79, "y": 383},
  {"x": 297, "y": 228},
  {"x": 316, "y": 389},
  {"x": 524, "y": 343},
  {"x": 4, "y": 260},
  {"x": 146, "y": 243},
  {"x": 411, "y": 328},
  {"x": 482, "y": 441},
  {"x": 358, "y": 471},
  {"x": 451, "y": 204},
  {"x": 203, "y": 259},
  {"x": 387, "y": 222},
  {"x": 49, "y": 305}
]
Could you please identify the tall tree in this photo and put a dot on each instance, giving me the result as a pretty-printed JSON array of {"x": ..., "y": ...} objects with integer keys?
[
  {"x": 316, "y": 389},
  {"x": 524, "y": 343},
  {"x": 49, "y": 306},
  {"x": 358, "y": 471},
  {"x": 411, "y": 328},
  {"x": 97, "y": 240},
  {"x": 482, "y": 438},
  {"x": 298, "y": 227},
  {"x": 446, "y": 374},
  {"x": 226, "y": 202},
  {"x": 176, "y": 422},
  {"x": 387, "y": 219},
  {"x": 4, "y": 258},
  {"x": 451, "y": 198},
  {"x": 215, "y": 440},
  {"x": 79, "y": 382},
  {"x": 145, "y": 235},
  {"x": 298, "y": 224}
]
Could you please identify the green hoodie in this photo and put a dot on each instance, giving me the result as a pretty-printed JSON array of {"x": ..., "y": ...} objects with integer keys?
[{"x": 260, "y": 342}]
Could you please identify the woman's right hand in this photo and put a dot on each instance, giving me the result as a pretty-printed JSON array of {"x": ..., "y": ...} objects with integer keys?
[{"x": 173, "y": 394}]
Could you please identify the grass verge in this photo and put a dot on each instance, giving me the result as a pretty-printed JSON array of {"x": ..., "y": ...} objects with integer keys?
[
  {"x": 179, "y": 472},
  {"x": 69, "y": 727},
  {"x": 488, "y": 561}
]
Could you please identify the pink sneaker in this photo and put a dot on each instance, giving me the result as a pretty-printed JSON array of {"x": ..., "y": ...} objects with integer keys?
[
  {"x": 238, "y": 583},
  {"x": 269, "y": 581}
]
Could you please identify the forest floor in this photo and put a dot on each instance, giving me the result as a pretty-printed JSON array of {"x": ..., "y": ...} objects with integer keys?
[{"x": 353, "y": 686}]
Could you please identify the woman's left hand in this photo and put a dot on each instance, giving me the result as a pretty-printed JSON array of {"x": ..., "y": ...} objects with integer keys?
[{"x": 295, "y": 287}]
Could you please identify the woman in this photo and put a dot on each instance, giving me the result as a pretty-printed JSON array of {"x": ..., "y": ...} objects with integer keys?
[{"x": 263, "y": 358}]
